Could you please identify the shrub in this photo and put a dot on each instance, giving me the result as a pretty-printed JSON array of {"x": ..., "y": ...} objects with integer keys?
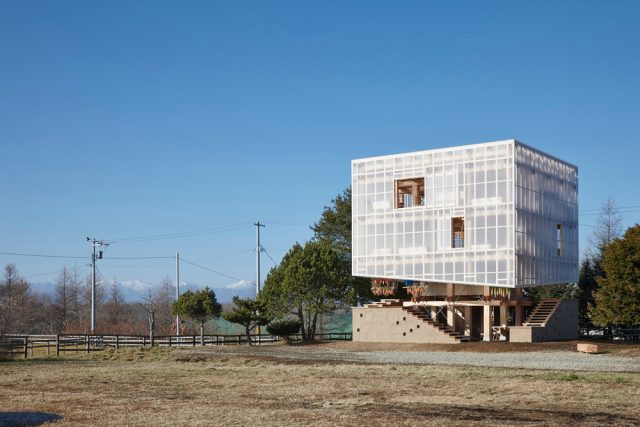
[{"x": 284, "y": 328}]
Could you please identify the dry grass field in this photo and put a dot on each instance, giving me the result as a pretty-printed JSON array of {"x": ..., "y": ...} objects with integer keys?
[{"x": 178, "y": 387}]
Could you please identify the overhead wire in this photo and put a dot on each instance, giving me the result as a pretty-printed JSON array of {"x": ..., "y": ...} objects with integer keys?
[
  {"x": 43, "y": 274},
  {"x": 42, "y": 255},
  {"x": 194, "y": 233},
  {"x": 210, "y": 270},
  {"x": 269, "y": 255},
  {"x": 227, "y": 255},
  {"x": 617, "y": 208}
]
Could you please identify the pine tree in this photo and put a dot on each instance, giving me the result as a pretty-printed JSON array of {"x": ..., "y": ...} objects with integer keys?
[
  {"x": 617, "y": 301},
  {"x": 334, "y": 229}
]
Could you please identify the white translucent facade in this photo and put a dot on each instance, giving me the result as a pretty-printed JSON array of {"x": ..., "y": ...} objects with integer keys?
[{"x": 493, "y": 214}]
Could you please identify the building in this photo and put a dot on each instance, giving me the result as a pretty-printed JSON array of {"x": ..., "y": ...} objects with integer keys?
[{"x": 465, "y": 226}]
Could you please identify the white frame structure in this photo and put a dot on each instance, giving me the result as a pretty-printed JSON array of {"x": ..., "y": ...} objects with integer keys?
[{"x": 512, "y": 198}]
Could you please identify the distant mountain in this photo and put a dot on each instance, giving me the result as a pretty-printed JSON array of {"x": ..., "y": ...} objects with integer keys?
[
  {"x": 136, "y": 290},
  {"x": 243, "y": 289},
  {"x": 45, "y": 288}
]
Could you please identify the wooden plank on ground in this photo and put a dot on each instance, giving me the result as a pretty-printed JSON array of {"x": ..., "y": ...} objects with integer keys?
[{"x": 589, "y": 348}]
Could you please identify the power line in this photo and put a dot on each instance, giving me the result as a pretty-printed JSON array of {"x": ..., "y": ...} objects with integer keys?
[
  {"x": 615, "y": 213},
  {"x": 287, "y": 223},
  {"x": 194, "y": 233},
  {"x": 142, "y": 257},
  {"x": 80, "y": 257},
  {"x": 43, "y": 256},
  {"x": 227, "y": 255},
  {"x": 269, "y": 255},
  {"x": 617, "y": 207},
  {"x": 43, "y": 274},
  {"x": 210, "y": 270}
]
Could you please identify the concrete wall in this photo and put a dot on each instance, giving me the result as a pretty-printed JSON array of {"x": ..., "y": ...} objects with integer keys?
[
  {"x": 563, "y": 325},
  {"x": 393, "y": 324}
]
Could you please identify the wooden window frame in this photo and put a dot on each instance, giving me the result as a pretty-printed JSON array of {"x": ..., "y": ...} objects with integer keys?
[
  {"x": 459, "y": 233},
  {"x": 418, "y": 184}
]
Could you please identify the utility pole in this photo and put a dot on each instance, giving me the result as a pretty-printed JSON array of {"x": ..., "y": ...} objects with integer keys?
[
  {"x": 177, "y": 291},
  {"x": 94, "y": 256},
  {"x": 258, "y": 225}
]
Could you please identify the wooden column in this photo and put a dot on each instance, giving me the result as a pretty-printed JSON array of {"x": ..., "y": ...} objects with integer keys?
[
  {"x": 451, "y": 316},
  {"x": 451, "y": 291},
  {"x": 504, "y": 311},
  {"x": 451, "y": 310},
  {"x": 468, "y": 321},
  {"x": 486, "y": 322},
  {"x": 518, "y": 314}
]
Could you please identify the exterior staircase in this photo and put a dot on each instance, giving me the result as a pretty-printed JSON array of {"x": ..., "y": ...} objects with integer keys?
[
  {"x": 384, "y": 303},
  {"x": 443, "y": 328},
  {"x": 542, "y": 312}
]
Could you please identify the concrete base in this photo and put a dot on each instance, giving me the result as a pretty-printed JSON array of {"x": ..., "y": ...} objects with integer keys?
[
  {"x": 394, "y": 324},
  {"x": 562, "y": 325}
]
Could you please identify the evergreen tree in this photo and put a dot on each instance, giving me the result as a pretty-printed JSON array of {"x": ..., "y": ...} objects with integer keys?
[
  {"x": 310, "y": 281},
  {"x": 617, "y": 301},
  {"x": 334, "y": 228},
  {"x": 249, "y": 313},
  {"x": 200, "y": 306},
  {"x": 589, "y": 271}
]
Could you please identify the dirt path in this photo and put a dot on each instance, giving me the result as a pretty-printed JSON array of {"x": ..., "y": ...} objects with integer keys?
[{"x": 563, "y": 360}]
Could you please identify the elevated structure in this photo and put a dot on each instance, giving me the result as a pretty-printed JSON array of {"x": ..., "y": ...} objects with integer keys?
[{"x": 464, "y": 224}]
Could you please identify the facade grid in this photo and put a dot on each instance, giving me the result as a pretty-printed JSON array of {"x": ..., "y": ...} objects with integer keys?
[{"x": 503, "y": 199}]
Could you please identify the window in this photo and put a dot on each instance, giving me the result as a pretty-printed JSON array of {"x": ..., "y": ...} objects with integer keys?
[
  {"x": 559, "y": 239},
  {"x": 409, "y": 193},
  {"x": 457, "y": 232}
]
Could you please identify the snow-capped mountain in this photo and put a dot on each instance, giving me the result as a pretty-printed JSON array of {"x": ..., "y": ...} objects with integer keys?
[{"x": 135, "y": 290}]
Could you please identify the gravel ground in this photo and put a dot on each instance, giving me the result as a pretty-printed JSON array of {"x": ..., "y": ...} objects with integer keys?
[{"x": 551, "y": 360}]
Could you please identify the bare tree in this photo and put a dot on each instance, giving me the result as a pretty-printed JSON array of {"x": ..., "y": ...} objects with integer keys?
[
  {"x": 61, "y": 299},
  {"x": 608, "y": 225},
  {"x": 15, "y": 301},
  {"x": 165, "y": 297},
  {"x": 74, "y": 306},
  {"x": 114, "y": 309},
  {"x": 151, "y": 305}
]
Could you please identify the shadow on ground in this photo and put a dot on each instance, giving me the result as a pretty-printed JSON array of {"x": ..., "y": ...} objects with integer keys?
[
  {"x": 26, "y": 418},
  {"x": 498, "y": 416}
]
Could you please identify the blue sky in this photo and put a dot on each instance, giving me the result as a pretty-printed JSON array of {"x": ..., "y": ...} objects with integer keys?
[{"x": 125, "y": 119}]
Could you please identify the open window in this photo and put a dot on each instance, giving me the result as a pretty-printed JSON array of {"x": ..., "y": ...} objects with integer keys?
[
  {"x": 559, "y": 239},
  {"x": 457, "y": 232},
  {"x": 409, "y": 193}
]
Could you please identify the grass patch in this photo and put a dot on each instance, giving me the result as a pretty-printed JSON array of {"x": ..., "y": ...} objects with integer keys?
[
  {"x": 593, "y": 377},
  {"x": 162, "y": 386},
  {"x": 571, "y": 377}
]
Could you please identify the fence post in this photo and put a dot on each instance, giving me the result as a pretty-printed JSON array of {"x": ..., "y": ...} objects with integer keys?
[
  {"x": 86, "y": 337},
  {"x": 169, "y": 341},
  {"x": 26, "y": 343},
  {"x": 193, "y": 337},
  {"x": 58, "y": 345},
  {"x": 238, "y": 337}
]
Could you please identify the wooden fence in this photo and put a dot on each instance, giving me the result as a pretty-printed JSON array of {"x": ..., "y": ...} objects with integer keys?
[{"x": 24, "y": 345}]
